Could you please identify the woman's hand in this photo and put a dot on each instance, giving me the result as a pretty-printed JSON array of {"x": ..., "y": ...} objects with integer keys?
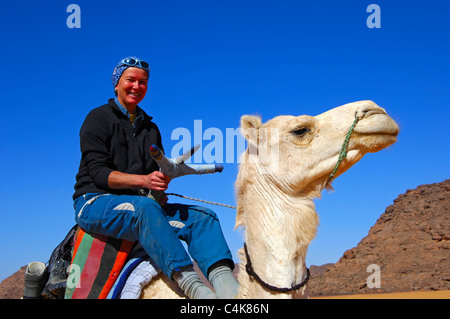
[{"x": 156, "y": 181}]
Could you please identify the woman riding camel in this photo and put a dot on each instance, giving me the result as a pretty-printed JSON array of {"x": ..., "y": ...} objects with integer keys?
[{"x": 116, "y": 169}]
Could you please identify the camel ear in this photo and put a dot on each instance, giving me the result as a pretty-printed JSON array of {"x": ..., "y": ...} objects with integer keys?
[
  {"x": 249, "y": 127},
  {"x": 250, "y": 121}
]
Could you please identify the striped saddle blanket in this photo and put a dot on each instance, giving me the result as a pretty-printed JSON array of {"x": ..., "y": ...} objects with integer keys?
[{"x": 102, "y": 265}]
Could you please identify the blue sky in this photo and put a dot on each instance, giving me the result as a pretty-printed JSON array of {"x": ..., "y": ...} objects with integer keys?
[{"x": 215, "y": 61}]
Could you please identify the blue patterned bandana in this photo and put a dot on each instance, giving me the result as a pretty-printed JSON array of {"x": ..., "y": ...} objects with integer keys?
[{"x": 117, "y": 73}]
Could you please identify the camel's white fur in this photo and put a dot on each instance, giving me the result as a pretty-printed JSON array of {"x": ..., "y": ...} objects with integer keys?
[{"x": 287, "y": 164}]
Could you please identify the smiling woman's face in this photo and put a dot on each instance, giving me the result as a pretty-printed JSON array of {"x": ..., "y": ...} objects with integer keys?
[{"x": 131, "y": 88}]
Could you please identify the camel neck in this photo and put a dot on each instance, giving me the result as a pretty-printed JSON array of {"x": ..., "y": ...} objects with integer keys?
[{"x": 279, "y": 229}]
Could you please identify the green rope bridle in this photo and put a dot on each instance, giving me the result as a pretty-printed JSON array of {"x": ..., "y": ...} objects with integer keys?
[{"x": 343, "y": 153}]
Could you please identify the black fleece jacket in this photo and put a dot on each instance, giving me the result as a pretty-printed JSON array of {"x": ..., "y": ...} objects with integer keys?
[{"x": 109, "y": 143}]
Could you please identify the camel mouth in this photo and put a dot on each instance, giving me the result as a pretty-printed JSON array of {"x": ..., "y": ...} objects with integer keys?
[
  {"x": 388, "y": 133},
  {"x": 376, "y": 122},
  {"x": 377, "y": 141}
]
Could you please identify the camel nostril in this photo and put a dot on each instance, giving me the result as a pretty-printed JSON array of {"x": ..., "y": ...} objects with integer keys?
[{"x": 367, "y": 112}]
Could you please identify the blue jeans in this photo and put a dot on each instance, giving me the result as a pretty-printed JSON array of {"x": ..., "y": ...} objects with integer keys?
[{"x": 158, "y": 229}]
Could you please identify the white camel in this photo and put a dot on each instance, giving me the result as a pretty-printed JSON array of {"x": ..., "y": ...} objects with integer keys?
[{"x": 288, "y": 162}]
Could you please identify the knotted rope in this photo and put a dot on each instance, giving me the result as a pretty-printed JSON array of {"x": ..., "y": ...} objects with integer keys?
[
  {"x": 343, "y": 153},
  {"x": 201, "y": 200}
]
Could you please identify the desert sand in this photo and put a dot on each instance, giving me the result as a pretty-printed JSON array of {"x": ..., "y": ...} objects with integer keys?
[{"x": 442, "y": 294}]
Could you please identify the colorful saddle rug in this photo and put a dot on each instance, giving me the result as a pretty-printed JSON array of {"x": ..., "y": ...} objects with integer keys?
[{"x": 96, "y": 264}]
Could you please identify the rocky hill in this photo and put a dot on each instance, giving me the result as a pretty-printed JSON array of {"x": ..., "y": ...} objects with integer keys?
[
  {"x": 12, "y": 287},
  {"x": 407, "y": 249}
]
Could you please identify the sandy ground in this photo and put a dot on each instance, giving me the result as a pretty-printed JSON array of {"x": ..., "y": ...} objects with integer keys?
[{"x": 444, "y": 294}]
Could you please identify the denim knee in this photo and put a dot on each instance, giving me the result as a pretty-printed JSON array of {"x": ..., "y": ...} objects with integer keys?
[
  {"x": 208, "y": 212},
  {"x": 204, "y": 213},
  {"x": 148, "y": 213}
]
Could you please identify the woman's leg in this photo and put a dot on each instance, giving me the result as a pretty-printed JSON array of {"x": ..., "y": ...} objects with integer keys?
[
  {"x": 201, "y": 230},
  {"x": 137, "y": 218}
]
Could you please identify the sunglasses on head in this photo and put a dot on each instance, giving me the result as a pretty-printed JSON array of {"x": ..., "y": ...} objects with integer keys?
[{"x": 133, "y": 62}]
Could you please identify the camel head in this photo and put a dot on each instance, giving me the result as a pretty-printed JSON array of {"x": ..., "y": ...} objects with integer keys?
[
  {"x": 288, "y": 161},
  {"x": 297, "y": 154}
]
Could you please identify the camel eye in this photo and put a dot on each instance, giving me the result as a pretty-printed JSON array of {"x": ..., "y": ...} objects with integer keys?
[{"x": 300, "y": 131}]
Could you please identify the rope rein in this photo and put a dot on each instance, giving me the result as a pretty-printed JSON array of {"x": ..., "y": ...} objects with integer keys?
[{"x": 201, "y": 200}]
